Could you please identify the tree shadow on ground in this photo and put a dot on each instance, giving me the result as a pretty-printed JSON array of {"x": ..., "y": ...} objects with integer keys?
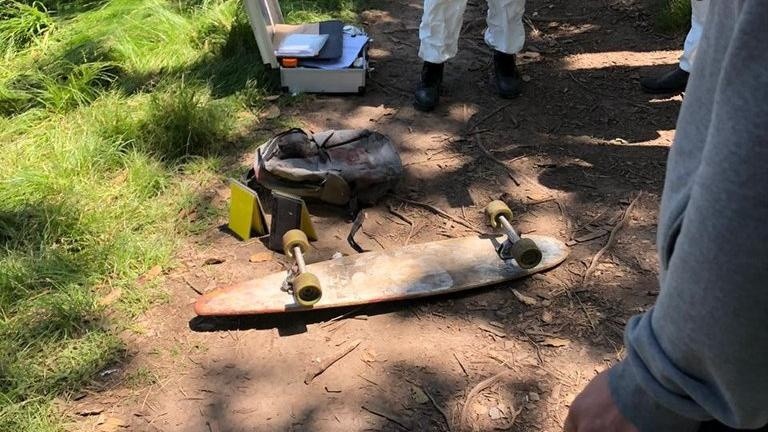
[{"x": 397, "y": 395}]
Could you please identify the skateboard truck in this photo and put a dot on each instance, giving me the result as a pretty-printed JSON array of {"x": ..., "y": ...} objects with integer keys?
[
  {"x": 523, "y": 250},
  {"x": 305, "y": 285}
]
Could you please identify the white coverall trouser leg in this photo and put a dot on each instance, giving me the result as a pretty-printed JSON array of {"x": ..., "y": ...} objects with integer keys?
[
  {"x": 441, "y": 27},
  {"x": 698, "y": 18}
]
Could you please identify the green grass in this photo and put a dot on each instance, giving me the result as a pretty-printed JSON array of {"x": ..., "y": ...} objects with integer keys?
[
  {"x": 116, "y": 117},
  {"x": 21, "y": 25},
  {"x": 140, "y": 378},
  {"x": 299, "y": 11},
  {"x": 675, "y": 15}
]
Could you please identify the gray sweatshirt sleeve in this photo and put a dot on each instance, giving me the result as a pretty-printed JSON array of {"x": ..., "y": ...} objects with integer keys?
[{"x": 702, "y": 352}]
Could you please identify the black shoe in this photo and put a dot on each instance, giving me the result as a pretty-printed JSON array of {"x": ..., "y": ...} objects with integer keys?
[
  {"x": 428, "y": 93},
  {"x": 671, "y": 82},
  {"x": 508, "y": 81}
]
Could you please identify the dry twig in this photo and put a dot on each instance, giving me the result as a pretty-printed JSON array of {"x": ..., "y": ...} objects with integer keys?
[
  {"x": 611, "y": 239},
  {"x": 194, "y": 288},
  {"x": 439, "y": 212},
  {"x": 491, "y": 114},
  {"x": 373, "y": 237},
  {"x": 325, "y": 364},
  {"x": 342, "y": 316},
  {"x": 434, "y": 404},
  {"x": 461, "y": 365},
  {"x": 540, "y": 18},
  {"x": 386, "y": 416},
  {"x": 591, "y": 221},
  {"x": 535, "y": 346},
  {"x": 492, "y": 330},
  {"x": 585, "y": 310},
  {"x": 482, "y": 385},
  {"x": 490, "y": 156},
  {"x": 405, "y": 219}
]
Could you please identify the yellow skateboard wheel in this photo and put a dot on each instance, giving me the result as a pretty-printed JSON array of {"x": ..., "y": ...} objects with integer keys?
[
  {"x": 497, "y": 208},
  {"x": 526, "y": 253},
  {"x": 293, "y": 238},
  {"x": 306, "y": 289}
]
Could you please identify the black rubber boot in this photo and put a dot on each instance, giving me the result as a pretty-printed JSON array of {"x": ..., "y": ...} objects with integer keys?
[
  {"x": 671, "y": 82},
  {"x": 427, "y": 94},
  {"x": 508, "y": 81}
]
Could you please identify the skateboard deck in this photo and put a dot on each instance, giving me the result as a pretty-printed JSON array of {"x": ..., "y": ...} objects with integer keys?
[{"x": 417, "y": 270}]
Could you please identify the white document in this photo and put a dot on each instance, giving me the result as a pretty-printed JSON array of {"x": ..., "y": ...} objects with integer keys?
[{"x": 301, "y": 45}]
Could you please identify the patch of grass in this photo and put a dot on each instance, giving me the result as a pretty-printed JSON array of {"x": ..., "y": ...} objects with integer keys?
[
  {"x": 21, "y": 24},
  {"x": 114, "y": 128},
  {"x": 182, "y": 121},
  {"x": 301, "y": 11},
  {"x": 33, "y": 415},
  {"x": 58, "y": 87},
  {"x": 66, "y": 7},
  {"x": 141, "y": 377},
  {"x": 675, "y": 15}
]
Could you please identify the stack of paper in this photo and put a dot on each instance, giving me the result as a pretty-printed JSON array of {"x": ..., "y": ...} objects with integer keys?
[
  {"x": 301, "y": 45},
  {"x": 351, "y": 50}
]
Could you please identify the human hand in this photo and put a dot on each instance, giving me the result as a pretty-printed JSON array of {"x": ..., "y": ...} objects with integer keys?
[{"x": 594, "y": 410}]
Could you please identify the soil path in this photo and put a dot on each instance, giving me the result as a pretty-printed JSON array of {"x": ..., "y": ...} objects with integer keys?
[{"x": 581, "y": 143}]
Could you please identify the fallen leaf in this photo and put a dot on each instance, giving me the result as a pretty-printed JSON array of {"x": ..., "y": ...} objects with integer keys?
[
  {"x": 271, "y": 113},
  {"x": 367, "y": 357},
  {"x": 528, "y": 57},
  {"x": 213, "y": 261},
  {"x": 90, "y": 411},
  {"x": 112, "y": 297},
  {"x": 495, "y": 413},
  {"x": 261, "y": 257},
  {"x": 150, "y": 274},
  {"x": 555, "y": 342},
  {"x": 189, "y": 214},
  {"x": 418, "y": 395},
  {"x": 492, "y": 330},
  {"x": 530, "y": 301},
  {"x": 112, "y": 424},
  {"x": 271, "y": 98},
  {"x": 547, "y": 317},
  {"x": 555, "y": 394}
]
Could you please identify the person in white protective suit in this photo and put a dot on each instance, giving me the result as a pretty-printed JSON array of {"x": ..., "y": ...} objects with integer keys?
[
  {"x": 675, "y": 80},
  {"x": 439, "y": 33}
]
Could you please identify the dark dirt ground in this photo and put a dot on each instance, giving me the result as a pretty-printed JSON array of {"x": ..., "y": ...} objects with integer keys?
[{"x": 582, "y": 142}]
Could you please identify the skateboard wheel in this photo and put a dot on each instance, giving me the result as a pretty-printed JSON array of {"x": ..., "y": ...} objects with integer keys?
[
  {"x": 526, "y": 253},
  {"x": 497, "y": 208},
  {"x": 306, "y": 289},
  {"x": 293, "y": 238}
]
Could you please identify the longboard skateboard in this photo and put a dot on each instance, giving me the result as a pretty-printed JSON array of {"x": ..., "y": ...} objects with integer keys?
[{"x": 413, "y": 271}]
